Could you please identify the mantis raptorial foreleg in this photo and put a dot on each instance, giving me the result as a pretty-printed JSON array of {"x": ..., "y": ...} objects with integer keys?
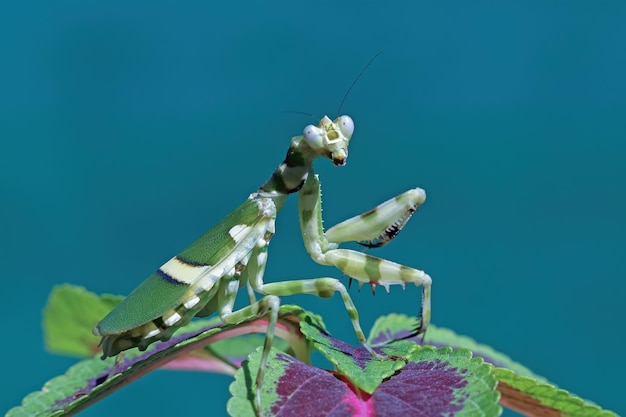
[
  {"x": 378, "y": 225},
  {"x": 381, "y": 224}
]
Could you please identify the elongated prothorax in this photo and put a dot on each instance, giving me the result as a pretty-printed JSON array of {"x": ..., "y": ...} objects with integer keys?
[{"x": 329, "y": 139}]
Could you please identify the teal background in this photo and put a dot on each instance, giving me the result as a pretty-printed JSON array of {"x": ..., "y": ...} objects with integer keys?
[{"x": 128, "y": 128}]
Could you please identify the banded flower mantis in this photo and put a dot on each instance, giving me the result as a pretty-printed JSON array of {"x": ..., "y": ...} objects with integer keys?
[{"x": 205, "y": 277}]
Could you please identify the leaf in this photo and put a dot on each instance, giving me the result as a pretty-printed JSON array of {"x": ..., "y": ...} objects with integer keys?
[
  {"x": 399, "y": 326},
  {"x": 69, "y": 317},
  {"x": 92, "y": 379},
  {"x": 406, "y": 379},
  {"x": 195, "y": 345},
  {"x": 357, "y": 364},
  {"x": 241, "y": 404},
  {"x": 449, "y": 382},
  {"x": 520, "y": 389},
  {"x": 433, "y": 382},
  {"x": 531, "y": 397}
]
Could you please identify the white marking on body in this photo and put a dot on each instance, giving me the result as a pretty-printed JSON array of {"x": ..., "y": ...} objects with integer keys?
[
  {"x": 171, "y": 320},
  {"x": 266, "y": 207},
  {"x": 262, "y": 258},
  {"x": 152, "y": 333},
  {"x": 190, "y": 303},
  {"x": 238, "y": 231},
  {"x": 183, "y": 272},
  {"x": 233, "y": 286},
  {"x": 216, "y": 274}
]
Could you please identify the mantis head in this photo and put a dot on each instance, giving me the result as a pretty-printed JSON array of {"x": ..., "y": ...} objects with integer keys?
[{"x": 330, "y": 138}]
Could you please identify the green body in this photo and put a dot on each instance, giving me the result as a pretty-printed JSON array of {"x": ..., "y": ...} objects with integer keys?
[{"x": 157, "y": 295}]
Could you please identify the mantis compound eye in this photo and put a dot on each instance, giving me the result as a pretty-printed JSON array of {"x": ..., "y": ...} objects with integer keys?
[
  {"x": 314, "y": 136},
  {"x": 346, "y": 125}
]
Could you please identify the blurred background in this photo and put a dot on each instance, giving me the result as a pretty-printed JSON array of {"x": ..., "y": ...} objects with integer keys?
[{"x": 129, "y": 128}]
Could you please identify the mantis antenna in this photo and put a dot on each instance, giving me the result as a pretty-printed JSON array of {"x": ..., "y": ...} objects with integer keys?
[
  {"x": 355, "y": 81},
  {"x": 345, "y": 95}
]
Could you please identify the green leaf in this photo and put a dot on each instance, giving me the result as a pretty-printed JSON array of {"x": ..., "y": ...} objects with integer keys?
[
  {"x": 530, "y": 397},
  {"x": 44, "y": 402},
  {"x": 69, "y": 317},
  {"x": 399, "y": 326},
  {"x": 242, "y": 389},
  {"x": 357, "y": 364},
  {"x": 433, "y": 382},
  {"x": 521, "y": 389},
  {"x": 475, "y": 391},
  {"x": 368, "y": 373},
  {"x": 200, "y": 345},
  {"x": 92, "y": 379},
  {"x": 408, "y": 378}
]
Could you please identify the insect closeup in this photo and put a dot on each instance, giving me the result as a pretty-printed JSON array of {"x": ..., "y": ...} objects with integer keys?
[{"x": 205, "y": 277}]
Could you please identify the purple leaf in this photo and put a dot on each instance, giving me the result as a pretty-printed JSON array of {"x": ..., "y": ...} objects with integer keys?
[{"x": 435, "y": 382}]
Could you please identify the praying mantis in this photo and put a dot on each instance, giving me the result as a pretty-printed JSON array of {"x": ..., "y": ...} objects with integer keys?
[{"x": 205, "y": 277}]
